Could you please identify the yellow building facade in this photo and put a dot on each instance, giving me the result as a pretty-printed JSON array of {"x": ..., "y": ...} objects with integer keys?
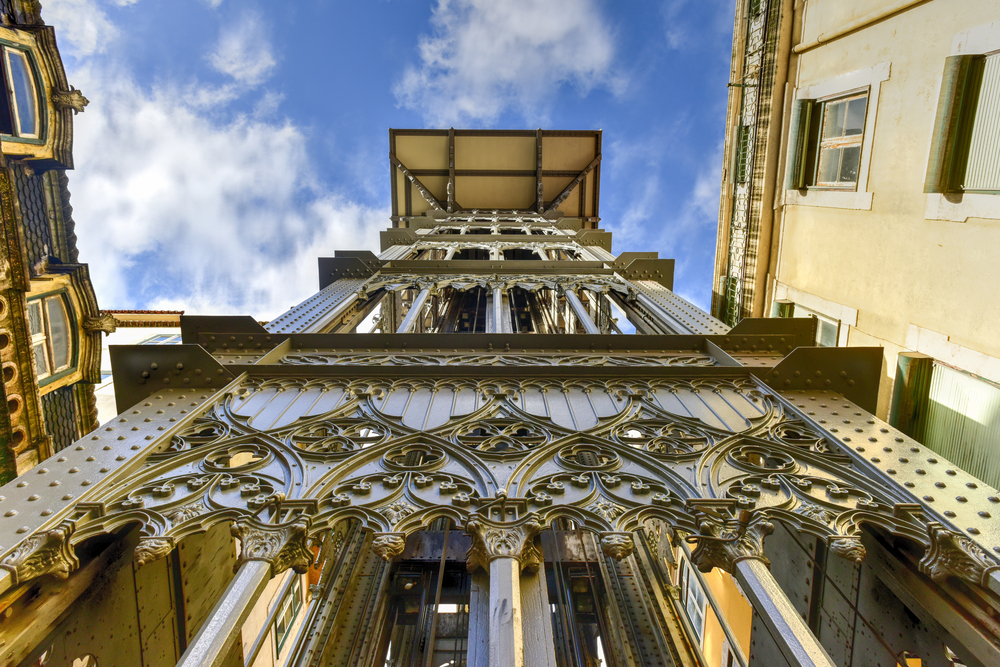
[{"x": 862, "y": 187}]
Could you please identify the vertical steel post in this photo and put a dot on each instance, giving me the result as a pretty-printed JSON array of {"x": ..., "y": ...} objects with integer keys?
[
  {"x": 581, "y": 313},
  {"x": 506, "y": 636},
  {"x": 499, "y": 321},
  {"x": 437, "y": 597},
  {"x": 217, "y": 636},
  {"x": 793, "y": 637},
  {"x": 415, "y": 309}
]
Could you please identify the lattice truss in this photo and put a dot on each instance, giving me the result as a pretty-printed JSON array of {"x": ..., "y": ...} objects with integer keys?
[{"x": 716, "y": 460}]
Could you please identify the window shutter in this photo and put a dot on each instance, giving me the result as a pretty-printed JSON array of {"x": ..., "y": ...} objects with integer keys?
[
  {"x": 798, "y": 144},
  {"x": 953, "y": 124},
  {"x": 983, "y": 170}
]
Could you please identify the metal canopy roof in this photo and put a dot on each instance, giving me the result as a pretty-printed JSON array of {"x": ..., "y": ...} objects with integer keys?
[{"x": 519, "y": 171}]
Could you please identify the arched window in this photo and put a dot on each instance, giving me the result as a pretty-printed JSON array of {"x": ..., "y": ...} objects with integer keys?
[
  {"x": 19, "y": 111},
  {"x": 51, "y": 335}
]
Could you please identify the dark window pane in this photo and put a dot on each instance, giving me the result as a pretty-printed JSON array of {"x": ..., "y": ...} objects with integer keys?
[
  {"x": 58, "y": 332},
  {"x": 849, "y": 164},
  {"x": 833, "y": 125},
  {"x": 23, "y": 92},
  {"x": 856, "y": 116}
]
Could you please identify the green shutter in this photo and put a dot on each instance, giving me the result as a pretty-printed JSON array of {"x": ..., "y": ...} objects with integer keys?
[
  {"x": 798, "y": 144},
  {"x": 953, "y": 124}
]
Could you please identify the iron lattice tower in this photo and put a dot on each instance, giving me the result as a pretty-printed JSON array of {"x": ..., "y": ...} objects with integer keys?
[{"x": 495, "y": 443}]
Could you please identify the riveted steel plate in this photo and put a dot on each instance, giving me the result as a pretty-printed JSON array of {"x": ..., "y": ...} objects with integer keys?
[
  {"x": 141, "y": 370},
  {"x": 854, "y": 372},
  {"x": 192, "y": 326},
  {"x": 951, "y": 495},
  {"x": 355, "y": 265},
  {"x": 660, "y": 270}
]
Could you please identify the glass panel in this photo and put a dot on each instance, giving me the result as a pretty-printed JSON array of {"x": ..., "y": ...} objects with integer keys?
[
  {"x": 829, "y": 165},
  {"x": 35, "y": 318},
  {"x": 41, "y": 360},
  {"x": 58, "y": 332},
  {"x": 834, "y": 121},
  {"x": 23, "y": 92},
  {"x": 849, "y": 164},
  {"x": 855, "y": 123},
  {"x": 827, "y": 334}
]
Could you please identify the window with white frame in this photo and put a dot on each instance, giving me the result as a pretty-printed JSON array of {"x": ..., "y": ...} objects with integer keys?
[
  {"x": 19, "y": 111},
  {"x": 966, "y": 140},
  {"x": 693, "y": 598},
  {"x": 827, "y": 137},
  {"x": 839, "y": 150},
  {"x": 287, "y": 611},
  {"x": 51, "y": 340},
  {"x": 827, "y": 328},
  {"x": 163, "y": 339}
]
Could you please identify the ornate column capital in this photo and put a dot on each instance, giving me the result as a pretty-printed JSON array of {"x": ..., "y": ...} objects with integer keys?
[
  {"x": 492, "y": 540},
  {"x": 47, "y": 552},
  {"x": 723, "y": 543},
  {"x": 953, "y": 554},
  {"x": 282, "y": 545}
]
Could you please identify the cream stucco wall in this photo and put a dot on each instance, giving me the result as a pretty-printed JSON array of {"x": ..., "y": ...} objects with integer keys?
[{"x": 897, "y": 268}]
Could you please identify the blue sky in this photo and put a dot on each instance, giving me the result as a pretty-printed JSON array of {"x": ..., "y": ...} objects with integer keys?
[{"x": 229, "y": 143}]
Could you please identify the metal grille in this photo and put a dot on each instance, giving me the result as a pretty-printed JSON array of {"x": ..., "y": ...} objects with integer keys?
[
  {"x": 34, "y": 216},
  {"x": 756, "y": 87},
  {"x": 59, "y": 410}
]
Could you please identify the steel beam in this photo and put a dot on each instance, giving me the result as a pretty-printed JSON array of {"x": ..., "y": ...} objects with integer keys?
[
  {"x": 506, "y": 633},
  {"x": 797, "y": 643},
  {"x": 414, "y": 313},
  {"x": 581, "y": 313},
  {"x": 218, "y": 635}
]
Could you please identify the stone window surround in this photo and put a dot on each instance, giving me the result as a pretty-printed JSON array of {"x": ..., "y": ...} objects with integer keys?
[
  {"x": 860, "y": 199},
  {"x": 960, "y": 207},
  {"x": 832, "y": 310}
]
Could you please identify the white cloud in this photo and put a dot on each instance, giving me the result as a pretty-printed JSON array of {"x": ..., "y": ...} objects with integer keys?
[
  {"x": 80, "y": 25},
  {"x": 244, "y": 51},
  {"x": 486, "y": 56},
  {"x": 178, "y": 203},
  {"x": 176, "y": 211}
]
